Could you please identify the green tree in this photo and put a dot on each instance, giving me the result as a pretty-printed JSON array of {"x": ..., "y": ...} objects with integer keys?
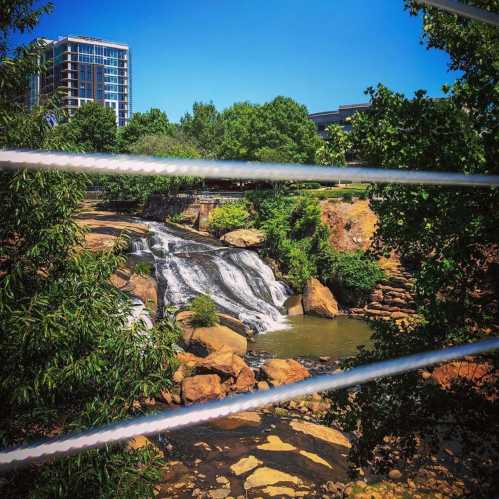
[
  {"x": 279, "y": 130},
  {"x": 450, "y": 236},
  {"x": 68, "y": 358},
  {"x": 333, "y": 151},
  {"x": 138, "y": 188},
  {"x": 93, "y": 128},
  {"x": 203, "y": 127},
  {"x": 152, "y": 122}
]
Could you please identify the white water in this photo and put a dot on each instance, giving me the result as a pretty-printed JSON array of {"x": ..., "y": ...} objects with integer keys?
[{"x": 239, "y": 282}]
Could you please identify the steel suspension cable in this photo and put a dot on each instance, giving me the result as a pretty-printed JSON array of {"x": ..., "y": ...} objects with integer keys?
[
  {"x": 201, "y": 413},
  {"x": 465, "y": 10},
  {"x": 148, "y": 165}
]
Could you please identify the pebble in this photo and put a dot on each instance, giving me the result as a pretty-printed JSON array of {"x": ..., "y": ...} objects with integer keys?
[{"x": 394, "y": 474}]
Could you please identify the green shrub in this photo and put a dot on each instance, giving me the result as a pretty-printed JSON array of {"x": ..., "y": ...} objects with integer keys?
[
  {"x": 351, "y": 274},
  {"x": 230, "y": 216},
  {"x": 204, "y": 311},
  {"x": 347, "y": 197},
  {"x": 144, "y": 268},
  {"x": 363, "y": 195}
]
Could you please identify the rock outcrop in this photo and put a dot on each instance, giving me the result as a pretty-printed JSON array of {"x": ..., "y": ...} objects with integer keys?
[
  {"x": 211, "y": 339},
  {"x": 284, "y": 371},
  {"x": 202, "y": 387},
  {"x": 244, "y": 238},
  {"x": 318, "y": 300},
  {"x": 294, "y": 305}
]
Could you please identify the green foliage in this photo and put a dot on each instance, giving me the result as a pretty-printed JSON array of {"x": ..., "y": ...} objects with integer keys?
[
  {"x": 68, "y": 358},
  {"x": 347, "y": 197},
  {"x": 334, "y": 149},
  {"x": 203, "y": 127},
  {"x": 204, "y": 311},
  {"x": 229, "y": 216},
  {"x": 152, "y": 122},
  {"x": 350, "y": 274},
  {"x": 144, "y": 268},
  {"x": 138, "y": 188},
  {"x": 277, "y": 131},
  {"x": 449, "y": 235},
  {"x": 93, "y": 128}
]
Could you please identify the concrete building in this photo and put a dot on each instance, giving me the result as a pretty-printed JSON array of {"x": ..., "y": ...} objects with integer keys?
[
  {"x": 339, "y": 117},
  {"x": 86, "y": 69}
]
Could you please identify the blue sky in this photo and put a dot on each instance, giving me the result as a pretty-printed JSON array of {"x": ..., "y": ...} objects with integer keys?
[{"x": 322, "y": 53}]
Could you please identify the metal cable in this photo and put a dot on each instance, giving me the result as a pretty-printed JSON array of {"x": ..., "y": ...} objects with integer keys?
[
  {"x": 201, "y": 413},
  {"x": 147, "y": 165},
  {"x": 470, "y": 11}
]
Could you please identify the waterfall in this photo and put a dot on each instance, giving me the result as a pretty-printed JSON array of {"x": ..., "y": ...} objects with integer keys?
[{"x": 238, "y": 280}]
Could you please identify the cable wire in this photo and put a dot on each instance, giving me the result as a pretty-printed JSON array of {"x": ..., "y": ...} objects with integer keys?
[
  {"x": 461, "y": 9},
  {"x": 201, "y": 413},
  {"x": 146, "y": 165}
]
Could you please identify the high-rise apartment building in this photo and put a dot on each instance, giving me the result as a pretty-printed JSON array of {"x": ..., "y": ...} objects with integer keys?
[{"x": 86, "y": 69}]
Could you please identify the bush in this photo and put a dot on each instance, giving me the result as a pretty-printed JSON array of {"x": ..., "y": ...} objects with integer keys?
[
  {"x": 230, "y": 216},
  {"x": 144, "y": 268},
  {"x": 347, "y": 197},
  {"x": 351, "y": 274},
  {"x": 204, "y": 311}
]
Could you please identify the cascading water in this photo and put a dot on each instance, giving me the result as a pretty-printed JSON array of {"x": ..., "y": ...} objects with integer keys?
[{"x": 239, "y": 282}]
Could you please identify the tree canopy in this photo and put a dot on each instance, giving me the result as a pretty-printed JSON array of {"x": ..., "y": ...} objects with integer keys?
[
  {"x": 449, "y": 237},
  {"x": 152, "y": 122}
]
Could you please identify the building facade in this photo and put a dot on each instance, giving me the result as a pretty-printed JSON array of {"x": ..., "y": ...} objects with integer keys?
[
  {"x": 86, "y": 69},
  {"x": 338, "y": 117}
]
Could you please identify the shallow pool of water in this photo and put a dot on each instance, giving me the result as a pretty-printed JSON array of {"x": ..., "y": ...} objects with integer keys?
[{"x": 313, "y": 337}]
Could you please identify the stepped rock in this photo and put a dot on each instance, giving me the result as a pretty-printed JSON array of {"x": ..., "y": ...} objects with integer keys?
[
  {"x": 318, "y": 300},
  {"x": 223, "y": 361}
]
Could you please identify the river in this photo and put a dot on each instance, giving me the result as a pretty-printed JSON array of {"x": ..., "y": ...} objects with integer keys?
[{"x": 242, "y": 285}]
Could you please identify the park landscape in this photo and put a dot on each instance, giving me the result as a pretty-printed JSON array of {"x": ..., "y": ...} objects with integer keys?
[{"x": 125, "y": 295}]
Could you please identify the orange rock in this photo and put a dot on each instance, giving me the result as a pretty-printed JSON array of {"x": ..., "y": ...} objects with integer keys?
[
  {"x": 223, "y": 361},
  {"x": 202, "y": 387},
  {"x": 284, "y": 371},
  {"x": 215, "y": 338},
  {"x": 318, "y": 300},
  {"x": 294, "y": 305},
  {"x": 245, "y": 381}
]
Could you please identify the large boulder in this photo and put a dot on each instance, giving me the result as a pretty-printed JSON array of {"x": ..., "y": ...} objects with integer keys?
[
  {"x": 245, "y": 381},
  {"x": 294, "y": 305},
  {"x": 201, "y": 388},
  {"x": 211, "y": 339},
  {"x": 223, "y": 362},
  {"x": 234, "y": 324},
  {"x": 244, "y": 238},
  {"x": 318, "y": 300},
  {"x": 284, "y": 371}
]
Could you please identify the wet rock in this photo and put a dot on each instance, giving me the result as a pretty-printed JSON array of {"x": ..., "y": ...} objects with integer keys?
[
  {"x": 284, "y": 371},
  {"x": 244, "y": 238},
  {"x": 395, "y": 475},
  {"x": 325, "y": 433},
  {"x": 264, "y": 476},
  {"x": 294, "y": 305},
  {"x": 201, "y": 388},
  {"x": 245, "y": 418},
  {"x": 244, "y": 465},
  {"x": 318, "y": 300},
  {"x": 211, "y": 339},
  {"x": 234, "y": 324}
]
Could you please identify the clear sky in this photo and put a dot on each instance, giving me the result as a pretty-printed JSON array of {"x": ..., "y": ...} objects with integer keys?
[{"x": 322, "y": 53}]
